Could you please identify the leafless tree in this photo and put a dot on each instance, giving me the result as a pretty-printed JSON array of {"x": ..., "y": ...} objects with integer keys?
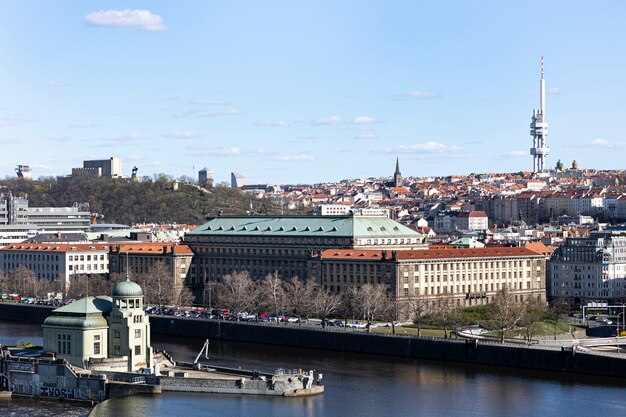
[
  {"x": 444, "y": 312},
  {"x": 418, "y": 306},
  {"x": 158, "y": 285},
  {"x": 505, "y": 312},
  {"x": 23, "y": 280},
  {"x": 299, "y": 296},
  {"x": 325, "y": 304},
  {"x": 236, "y": 292},
  {"x": 558, "y": 308},
  {"x": 78, "y": 286},
  {"x": 272, "y": 294},
  {"x": 5, "y": 283},
  {"x": 394, "y": 310},
  {"x": 534, "y": 311},
  {"x": 185, "y": 296},
  {"x": 372, "y": 302}
]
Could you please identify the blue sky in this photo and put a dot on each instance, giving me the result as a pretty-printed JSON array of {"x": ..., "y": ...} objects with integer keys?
[{"x": 304, "y": 92}]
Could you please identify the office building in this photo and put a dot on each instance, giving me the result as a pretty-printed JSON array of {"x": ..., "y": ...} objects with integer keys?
[{"x": 466, "y": 276}]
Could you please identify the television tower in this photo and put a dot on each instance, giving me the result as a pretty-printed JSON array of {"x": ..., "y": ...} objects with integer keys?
[{"x": 539, "y": 128}]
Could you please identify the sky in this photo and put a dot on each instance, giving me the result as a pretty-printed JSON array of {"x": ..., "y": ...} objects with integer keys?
[{"x": 309, "y": 91}]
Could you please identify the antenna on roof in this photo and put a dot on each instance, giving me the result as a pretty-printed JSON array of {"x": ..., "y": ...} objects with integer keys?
[{"x": 127, "y": 276}]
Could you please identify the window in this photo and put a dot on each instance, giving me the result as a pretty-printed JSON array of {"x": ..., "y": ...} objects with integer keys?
[
  {"x": 116, "y": 334},
  {"x": 137, "y": 333},
  {"x": 96, "y": 348},
  {"x": 138, "y": 350}
]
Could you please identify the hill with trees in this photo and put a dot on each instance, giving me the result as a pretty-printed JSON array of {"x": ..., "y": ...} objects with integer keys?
[{"x": 126, "y": 202}]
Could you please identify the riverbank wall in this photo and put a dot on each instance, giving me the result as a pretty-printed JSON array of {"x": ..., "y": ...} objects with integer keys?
[{"x": 558, "y": 359}]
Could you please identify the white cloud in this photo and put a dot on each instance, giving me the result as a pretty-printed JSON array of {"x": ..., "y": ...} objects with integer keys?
[
  {"x": 327, "y": 121},
  {"x": 555, "y": 91},
  {"x": 56, "y": 84},
  {"x": 60, "y": 139},
  {"x": 82, "y": 126},
  {"x": 142, "y": 19},
  {"x": 273, "y": 123},
  {"x": 14, "y": 119},
  {"x": 516, "y": 154},
  {"x": 430, "y": 147},
  {"x": 361, "y": 120},
  {"x": 224, "y": 151},
  {"x": 182, "y": 134},
  {"x": 605, "y": 143},
  {"x": 123, "y": 140},
  {"x": 295, "y": 158},
  {"x": 421, "y": 94},
  {"x": 10, "y": 141},
  {"x": 365, "y": 133},
  {"x": 207, "y": 102}
]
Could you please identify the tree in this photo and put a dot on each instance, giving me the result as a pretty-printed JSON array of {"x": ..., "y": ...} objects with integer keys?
[
  {"x": 185, "y": 296},
  {"x": 505, "y": 312},
  {"x": 535, "y": 310},
  {"x": 418, "y": 306},
  {"x": 78, "y": 286},
  {"x": 158, "y": 285},
  {"x": 325, "y": 304},
  {"x": 372, "y": 302},
  {"x": 236, "y": 292},
  {"x": 23, "y": 280},
  {"x": 272, "y": 294},
  {"x": 558, "y": 308},
  {"x": 299, "y": 296},
  {"x": 395, "y": 310},
  {"x": 445, "y": 312}
]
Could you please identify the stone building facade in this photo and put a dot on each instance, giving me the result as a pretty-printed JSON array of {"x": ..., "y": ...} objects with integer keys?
[
  {"x": 467, "y": 276},
  {"x": 264, "y": 245}
]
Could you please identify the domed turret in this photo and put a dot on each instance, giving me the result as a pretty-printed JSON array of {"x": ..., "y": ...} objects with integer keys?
[{"x": 127, "y": 288}]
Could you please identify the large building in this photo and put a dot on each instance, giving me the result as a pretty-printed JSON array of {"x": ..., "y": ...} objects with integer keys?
[
  {"x": 112, "y": 333},
  {"x": 590, "y": 269},
  {"x": 108, "y": 168},
  {"x": 205, "y": 177},
  {"x": 237, "y": 180},
  {"x": 141, "y": 257},
  {"x": 467, "y": 276},
  {"x": 263, "y": 245},
  {"x": 56, "y": 261}
]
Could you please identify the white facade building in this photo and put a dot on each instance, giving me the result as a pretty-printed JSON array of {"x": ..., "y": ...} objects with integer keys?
[{"x": 589, "y": 269}]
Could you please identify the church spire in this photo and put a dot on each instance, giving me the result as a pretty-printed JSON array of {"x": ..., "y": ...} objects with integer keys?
[{"x": 397, "y": 176}]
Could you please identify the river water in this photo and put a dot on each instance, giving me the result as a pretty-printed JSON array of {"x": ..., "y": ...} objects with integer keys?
[{"x": 356, "y": 385}]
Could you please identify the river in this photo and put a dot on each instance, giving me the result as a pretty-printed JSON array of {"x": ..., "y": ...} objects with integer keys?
[{"x": 356, "y": 385}]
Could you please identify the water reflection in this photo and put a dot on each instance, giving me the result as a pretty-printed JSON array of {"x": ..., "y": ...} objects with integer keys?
[{"x": 363, "y": 385}]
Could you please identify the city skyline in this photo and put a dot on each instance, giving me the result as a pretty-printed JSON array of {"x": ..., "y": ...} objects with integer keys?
[{"x": 306, "y": 93}]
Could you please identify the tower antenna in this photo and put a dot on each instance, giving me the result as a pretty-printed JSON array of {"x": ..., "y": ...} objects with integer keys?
[{"x": 539, "y": 128}]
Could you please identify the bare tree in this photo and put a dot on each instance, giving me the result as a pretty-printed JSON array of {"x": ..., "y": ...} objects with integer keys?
[
  {"x": 534, "y": 311},
  {"x": 236, "y": 292},
  {"x": 23, "y": 280},
  {"x": 445, "y": 313},
  {"x": 373, "y": 302},
  {"x": 325, "y": 304},
  {"x": 505, "y": 312},
  {"x": 299, "y": 296},
  {"x": 5, "y": 283},
  {"x": 158, "y": 285},
  {"x": 78, "y": 286},
  {"x": 558, "y": 308},
  {"x": 99, "y": 285},
  {"x": 418, "y": 306},
  {"x": 185, "y": 296},
  {"x": 272, "y": 294},
  {"x": 394, "y": 310}
]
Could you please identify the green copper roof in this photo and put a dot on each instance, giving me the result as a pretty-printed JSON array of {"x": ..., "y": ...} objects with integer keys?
[
  {"x": 127, "y": 288},
  {"x": 305, "y": 226},
  {"x": 87, "y": 305}
]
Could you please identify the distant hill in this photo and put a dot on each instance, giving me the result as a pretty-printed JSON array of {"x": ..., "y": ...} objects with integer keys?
[{"x": 126, "y": 202}]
